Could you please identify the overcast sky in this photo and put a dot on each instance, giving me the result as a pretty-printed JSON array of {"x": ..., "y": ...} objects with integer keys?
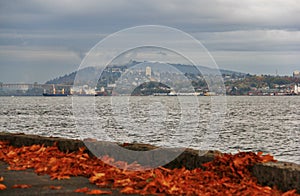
[{"x": 40, "y": 40}]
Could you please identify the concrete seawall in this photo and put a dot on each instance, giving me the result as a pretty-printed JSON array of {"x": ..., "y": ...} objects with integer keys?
[{"x": 285, "y": 176}]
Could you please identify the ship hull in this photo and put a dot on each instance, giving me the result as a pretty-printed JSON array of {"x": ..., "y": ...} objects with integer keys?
[{"x": 54, "y": 95}]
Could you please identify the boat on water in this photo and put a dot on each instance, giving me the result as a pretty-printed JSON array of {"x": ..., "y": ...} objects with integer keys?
[
  {"x": 173, "y": 93},
  {"x": 54, "y": 93}
]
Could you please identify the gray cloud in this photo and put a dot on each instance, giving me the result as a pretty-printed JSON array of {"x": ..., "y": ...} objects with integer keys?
[
  {"x": 227, "y": 28},
  {"x": 194, "y": 14},
  {"x": 252, "y": 40}
]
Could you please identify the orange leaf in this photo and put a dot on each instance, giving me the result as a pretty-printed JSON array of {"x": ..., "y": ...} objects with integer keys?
[
  {"x": 54, "y": 168},
  {"x": 82, "y": 149},
  {"x": 290, "y": 193},
  {"x": 11, "y": 154},
  {"x": 60, "y": 177},
  {"x": 1, "y": 179},
  {"x": 2, "y": 187},
  {"x": 82, "y": 190},
  {"x": 98, "y": 192},
  {"x": 55, "y": 187},
  {"x": 123, "y": 182},
  {"x": 21, "y": 186},
  {"x": 268, "y": 158},
  {"x": 52, "y": 160},
  {"x": 34, "y": 147},
  {"x": 96, "y": 177},
  {"x": 128, "y": 190}
]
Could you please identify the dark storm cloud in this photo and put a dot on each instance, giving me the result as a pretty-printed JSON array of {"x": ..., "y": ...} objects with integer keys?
[{"x": 72, "y": 27}]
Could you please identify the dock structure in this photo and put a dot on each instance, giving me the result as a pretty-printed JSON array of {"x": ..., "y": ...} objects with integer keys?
[
  {"x": 32, "y": 89},
  {"x": 23, "y": 86}
]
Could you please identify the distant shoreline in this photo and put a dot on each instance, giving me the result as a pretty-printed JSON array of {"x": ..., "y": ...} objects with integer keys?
[{"x": 287, "y": 95}]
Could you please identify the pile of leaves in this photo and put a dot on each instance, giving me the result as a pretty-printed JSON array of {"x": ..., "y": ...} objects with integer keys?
[{"x": 226, "y": 175}]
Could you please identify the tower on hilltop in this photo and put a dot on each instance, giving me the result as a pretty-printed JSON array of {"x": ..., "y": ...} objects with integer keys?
[{"x": 148, "y": 71}]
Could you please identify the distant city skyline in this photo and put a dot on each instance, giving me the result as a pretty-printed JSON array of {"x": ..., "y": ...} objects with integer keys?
[{"x": 41, "y": 40}]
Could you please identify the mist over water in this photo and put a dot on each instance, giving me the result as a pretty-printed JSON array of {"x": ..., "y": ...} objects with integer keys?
[{"x": 268, "y": 124}]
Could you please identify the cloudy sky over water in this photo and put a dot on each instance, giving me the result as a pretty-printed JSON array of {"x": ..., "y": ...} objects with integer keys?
[{"x": 40, "y": 40}]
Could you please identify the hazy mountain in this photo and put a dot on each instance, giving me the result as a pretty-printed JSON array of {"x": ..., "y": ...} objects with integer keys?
[
  {"x": 90, "y": 72},
  {"x": 68, "y": 79}
]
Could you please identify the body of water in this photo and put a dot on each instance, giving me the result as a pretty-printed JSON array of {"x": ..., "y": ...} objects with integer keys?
[{"x": 268, "y": 124}]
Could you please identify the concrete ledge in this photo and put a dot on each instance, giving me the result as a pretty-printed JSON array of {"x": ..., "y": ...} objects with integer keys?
[
  {"x": 19, "y": 140},
  {"x": 189, "y": 158},
  {"x": 285, "y": 176}
]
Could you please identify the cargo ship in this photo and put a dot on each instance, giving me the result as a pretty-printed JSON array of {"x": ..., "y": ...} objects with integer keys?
[{"x": 55, "y": 93}]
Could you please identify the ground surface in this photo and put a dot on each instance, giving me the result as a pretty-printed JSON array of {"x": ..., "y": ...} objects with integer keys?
[{"x": 41, "y": 183}]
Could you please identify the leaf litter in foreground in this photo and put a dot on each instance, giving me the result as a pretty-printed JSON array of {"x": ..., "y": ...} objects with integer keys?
[{"x": 227, "y": 174}]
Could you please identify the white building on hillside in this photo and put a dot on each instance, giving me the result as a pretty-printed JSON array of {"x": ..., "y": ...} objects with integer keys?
[
  {"x": 297, "y": 89},
  {"x": 296, "y": 74},
  {"x": 148, "y": 71}
]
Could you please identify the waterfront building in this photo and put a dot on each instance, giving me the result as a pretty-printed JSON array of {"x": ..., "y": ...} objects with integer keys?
[
  {"x": 296, "y": 74},
  {"x": 297, "y": 89}
]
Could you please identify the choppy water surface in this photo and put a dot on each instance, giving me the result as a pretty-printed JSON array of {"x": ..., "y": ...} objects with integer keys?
[{"x": 268, "y": 124}]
